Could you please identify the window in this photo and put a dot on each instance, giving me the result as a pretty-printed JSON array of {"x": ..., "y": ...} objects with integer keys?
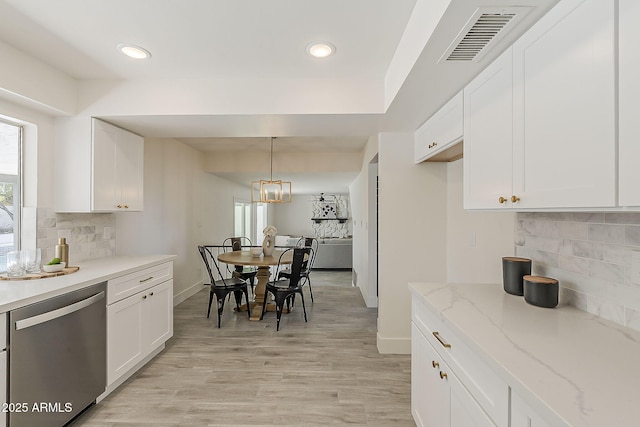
[
  {"x": 10, "y": 189},
  {"x": 249, "y": 219}
]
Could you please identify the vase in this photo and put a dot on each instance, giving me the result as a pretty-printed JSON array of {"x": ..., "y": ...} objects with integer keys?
[{"x": 268, "y": 245}]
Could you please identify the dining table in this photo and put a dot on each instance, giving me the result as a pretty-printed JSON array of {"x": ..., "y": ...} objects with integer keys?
[{"x": 264, "y": 263}]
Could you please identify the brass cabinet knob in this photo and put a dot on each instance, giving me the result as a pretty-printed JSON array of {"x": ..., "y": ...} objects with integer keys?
[
  {"x": 151, "y": 294},
  {"x": 435, "y": 364},
  {"x": 126, "y": 206},
  {"x": 443, "y": 375},
  {"x": 144, "y": 297},
  {"x": 119, "y": 206},
  {"x": 502, "y": 200},
  {"x": 515, "y": 199}
]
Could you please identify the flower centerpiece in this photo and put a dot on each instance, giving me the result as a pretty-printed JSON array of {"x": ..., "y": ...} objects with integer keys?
[{"x": 269, "y": 242}]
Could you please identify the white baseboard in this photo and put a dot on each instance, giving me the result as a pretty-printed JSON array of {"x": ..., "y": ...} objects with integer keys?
[
  {"x": 369, "y": 301},
  {"x": 188, "y": 293},
  {"x": 393, "y": 345}
]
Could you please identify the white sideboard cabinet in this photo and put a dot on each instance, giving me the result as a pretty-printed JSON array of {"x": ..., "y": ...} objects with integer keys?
[
  {"x": 139, "y": 319},
  {"x": 450, "y": 385},
  {"x": 99, "y": 167},
  {"x": 441, "y": 131}
]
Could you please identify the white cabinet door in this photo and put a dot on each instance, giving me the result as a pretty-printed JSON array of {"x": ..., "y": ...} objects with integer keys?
[
  {"x": 130, "y": 171},
  {"x": 106, "y": 193},
  {"x": 158, "y": 314},
  {"x": 125, "y": 336},
  {"x": 465, "y": 411},
  {"x": 629, "y": 93},
  {"x": 488, "y": 137},
  {"x": 523, "y": 416},
  {"x": 429, "y": 393},
  {"x": 441, "y": 131},
  {"x": 564, "y": 108}
]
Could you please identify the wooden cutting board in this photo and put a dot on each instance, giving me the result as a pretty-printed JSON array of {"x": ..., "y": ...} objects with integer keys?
[{"x": 41, "y": 275}]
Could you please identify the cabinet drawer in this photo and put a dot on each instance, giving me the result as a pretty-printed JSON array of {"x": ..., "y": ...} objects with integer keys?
[
  {"x": 132, "y": 283},
  {"x": 484, "y": 385},
  {"x": 3, "y": 331}
]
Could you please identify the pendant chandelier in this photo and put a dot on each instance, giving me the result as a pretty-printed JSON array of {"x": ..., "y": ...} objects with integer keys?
[{"x": 270, "y": 191}]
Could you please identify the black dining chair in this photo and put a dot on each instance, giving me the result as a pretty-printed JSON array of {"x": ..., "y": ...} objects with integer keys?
[
  {"x": 244, "y": 272},
  {"x": 284, "y": 290},
  {"x": 223, "y": 287},
  {"x": 306, "y": 242}
]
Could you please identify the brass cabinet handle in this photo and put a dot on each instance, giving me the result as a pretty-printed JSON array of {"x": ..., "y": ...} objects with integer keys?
[
  {"x": 443, "y": 375},
  {"x": 502, "y": 200},
  {"x": 435, "y": 364},
  {"x": 146, "y": 280},
  {"x": 439, "y": 338},
  {"x": 433, "y": 145},
  {"x": 515, "y": 199}
]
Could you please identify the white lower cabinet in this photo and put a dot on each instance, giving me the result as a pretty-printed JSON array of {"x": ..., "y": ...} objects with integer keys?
[
  {"x": 137, "y": 325},
  {"x": 438, "y": 398}
]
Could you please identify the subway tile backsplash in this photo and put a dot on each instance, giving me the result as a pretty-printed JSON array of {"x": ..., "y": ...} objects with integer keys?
[
  {"x": 84, "y": 232},
  {"x": 590, "y": 254}
]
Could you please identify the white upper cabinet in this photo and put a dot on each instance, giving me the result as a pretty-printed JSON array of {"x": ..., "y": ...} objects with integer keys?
[
  {"x": 441, "y": 131},
  {"x": 488, "y": 137},
  {"x": 564, "y": 74},
  {"x": 629, "y": 89},
  {"x": 98, "y": 167}
]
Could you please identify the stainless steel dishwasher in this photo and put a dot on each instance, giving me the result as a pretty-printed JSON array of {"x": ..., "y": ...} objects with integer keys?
[{"x": 57, "y": 357}]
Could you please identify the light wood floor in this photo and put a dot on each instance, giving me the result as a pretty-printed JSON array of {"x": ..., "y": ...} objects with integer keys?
[{"x": 324, "y": 372}]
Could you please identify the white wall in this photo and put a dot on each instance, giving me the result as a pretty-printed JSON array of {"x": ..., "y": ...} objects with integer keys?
[
  {"x": 294, "y": 218},
  {"x": 476, "y": 240},
  {"x": 412, "y": 234},
  {"x": 183, "y": 207},
  {"x": 360, "y": 201}
]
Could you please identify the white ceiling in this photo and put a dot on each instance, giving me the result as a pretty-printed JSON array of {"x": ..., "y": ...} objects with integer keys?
[{"x": 262, "y": 41}]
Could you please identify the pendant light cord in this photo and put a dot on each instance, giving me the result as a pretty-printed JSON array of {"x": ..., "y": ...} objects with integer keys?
[{"x": 271, "y": 158}]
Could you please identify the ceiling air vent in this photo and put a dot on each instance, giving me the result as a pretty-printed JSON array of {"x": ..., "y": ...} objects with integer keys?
[{"x": 484, "y": 28}]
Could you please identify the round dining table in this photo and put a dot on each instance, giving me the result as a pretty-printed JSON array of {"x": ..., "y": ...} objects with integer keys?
[{"x": 264, "y": 264}]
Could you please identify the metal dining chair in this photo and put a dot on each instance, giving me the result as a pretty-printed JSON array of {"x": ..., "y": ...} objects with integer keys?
[
  {"x": 284, "y": 290},
  {"x": 311, "y": 242},
  {"x": 244, "y": 272},
  {"x": 223, "y": 287}
]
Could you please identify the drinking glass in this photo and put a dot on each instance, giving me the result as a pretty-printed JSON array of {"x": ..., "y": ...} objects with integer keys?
[
  {"x": 16, "y": 264},
  {"x": 32, "y": 260}
]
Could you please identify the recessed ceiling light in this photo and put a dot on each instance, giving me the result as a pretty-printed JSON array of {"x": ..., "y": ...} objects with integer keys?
[
  {"x": 133, "y": 51},
  {"x": 320, "y": 49}
]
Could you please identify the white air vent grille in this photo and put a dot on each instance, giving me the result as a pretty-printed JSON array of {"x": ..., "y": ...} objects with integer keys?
[{"x": 484, "y": 27}]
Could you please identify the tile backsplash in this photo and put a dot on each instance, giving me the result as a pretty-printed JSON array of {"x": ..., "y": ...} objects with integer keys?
[
  {"x": 88, "y": 235},
  {"x": 591, "y": 255}
]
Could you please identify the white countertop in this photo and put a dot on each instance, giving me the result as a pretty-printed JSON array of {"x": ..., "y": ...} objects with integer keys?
[
  {"x": 19, "y": 293},
  {"x": 564, "y": 362}
]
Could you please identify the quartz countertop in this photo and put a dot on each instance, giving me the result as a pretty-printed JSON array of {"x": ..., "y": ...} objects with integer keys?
[
  {"x": 571, "y": 367},
  {"x": 19, "y": 293}
]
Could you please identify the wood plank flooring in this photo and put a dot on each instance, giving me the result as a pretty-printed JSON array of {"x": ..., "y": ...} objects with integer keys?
[{"x": 324, "y": 372}]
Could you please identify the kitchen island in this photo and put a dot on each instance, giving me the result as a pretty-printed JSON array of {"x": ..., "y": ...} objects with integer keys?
[{"x": 546, "y": 367}]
